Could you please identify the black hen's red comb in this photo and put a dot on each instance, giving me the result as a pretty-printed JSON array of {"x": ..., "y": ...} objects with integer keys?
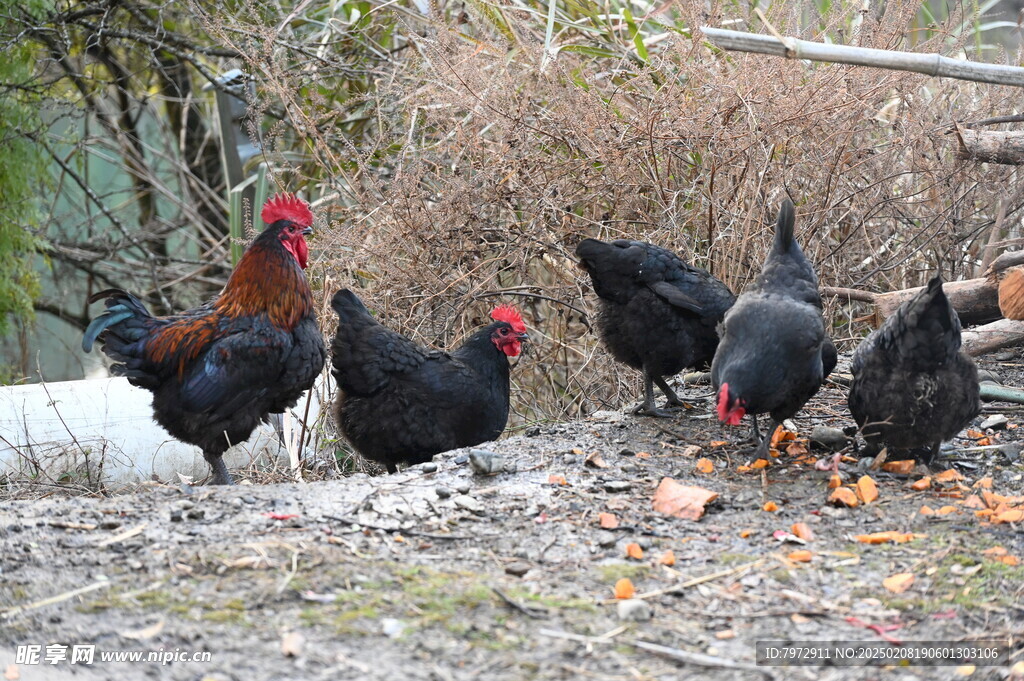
[
  {"x": 287, "y": 207},
  {"x": 509, "y": 314}
]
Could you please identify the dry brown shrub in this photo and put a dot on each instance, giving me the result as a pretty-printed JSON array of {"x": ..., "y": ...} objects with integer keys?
[{"x": 478, "y": 172}]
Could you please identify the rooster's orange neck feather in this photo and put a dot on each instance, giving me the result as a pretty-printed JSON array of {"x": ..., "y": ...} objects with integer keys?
[{"x": 267, "y": 280}]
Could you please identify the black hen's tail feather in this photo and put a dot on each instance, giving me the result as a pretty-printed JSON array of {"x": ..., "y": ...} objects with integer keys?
[{"x": 785, "y": 227}]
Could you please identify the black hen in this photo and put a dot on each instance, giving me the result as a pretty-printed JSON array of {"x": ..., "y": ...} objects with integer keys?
[
  {"x": 775, "y": 353},
  {"x": 658, "y": 314},
  {"x": 400, "y": 402},
  {"x": 912, "y": 386}
]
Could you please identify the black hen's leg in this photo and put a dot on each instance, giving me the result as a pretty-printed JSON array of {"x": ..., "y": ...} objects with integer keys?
[
  {"x": 392, "y": 467},
  {"x": 673, "y": 399},
  {"x": 220, "y": 471},
  {"x": 648, "y": 406},
  {"x": 755, "y": 433},
  {"x": 929, "y": 456},
  {"x": 766, "y": 442}
]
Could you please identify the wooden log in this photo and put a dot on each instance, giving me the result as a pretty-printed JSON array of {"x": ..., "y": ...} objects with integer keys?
[
  {"x": 1004, "y": 333},
  {"x": 975, "y": 300},
  {"x": 1011, "y": 293},
  {"x": 991, "y": 146}
]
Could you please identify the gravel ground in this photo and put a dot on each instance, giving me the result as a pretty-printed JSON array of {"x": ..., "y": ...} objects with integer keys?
[{"x": 441, "y": 573}]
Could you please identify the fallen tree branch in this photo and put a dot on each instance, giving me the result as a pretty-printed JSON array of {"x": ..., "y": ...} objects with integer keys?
[
  {"x": 975, "y": 300},
  {"x": 930, "y": 64}
]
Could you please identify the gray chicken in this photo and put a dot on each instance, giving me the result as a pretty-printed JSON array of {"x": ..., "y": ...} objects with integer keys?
[{"x": 774, "y": 353}]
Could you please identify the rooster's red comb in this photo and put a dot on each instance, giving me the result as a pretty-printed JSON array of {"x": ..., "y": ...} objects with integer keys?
[
  {"x": 286, "y": 206},
  {"x": 509, "y": 314}
]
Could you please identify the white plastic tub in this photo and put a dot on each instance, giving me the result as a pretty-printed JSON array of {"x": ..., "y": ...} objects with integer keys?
[{"x": 103, "y": 430}]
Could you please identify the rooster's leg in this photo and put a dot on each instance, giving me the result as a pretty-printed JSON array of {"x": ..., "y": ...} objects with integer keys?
[
  {"x": 648, "y": 406},
  {"x": 929, "y": 458},
  {"x": 673, "y": 399},
  {"x": 220, "y": 471}
]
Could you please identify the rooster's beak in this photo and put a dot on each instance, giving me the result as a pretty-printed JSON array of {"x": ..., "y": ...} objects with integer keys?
[
  {"x": 307, "y": 231},
  {"x": 523, "y": 337}
]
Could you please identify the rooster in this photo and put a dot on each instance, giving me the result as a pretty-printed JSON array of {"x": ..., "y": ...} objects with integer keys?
[
  {"x": 216, "y": 371},
  {"x": 400, "y": 402},
  {"x": 775, "y": 353},
  {"x": 912, "y": 386},
  {"x": 658, "y": 314}
]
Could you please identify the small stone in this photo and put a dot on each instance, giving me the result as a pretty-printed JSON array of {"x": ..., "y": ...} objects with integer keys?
[
  {"x": 429, "y": 467},
  {"x": 634, "y": 610},
  {"x": 986, "y": 376},
  {"x": 626, "y": 451},
  {"x": 236, "y": 502},
  {"x": 176, "y": 516},
  {"x": 517, "y": 569},
  {"x": 607, "y": 416},
  {"x": 569, "y": 459},
  {"x": 462, "y": 487},
  {"x": 1011, "y": 450},
  {"x": 995, "y": 422},
  {"x": 629, "y": 468},
  {"x": 391, "y": 627},
  {"x": 196, "y": 514},
  {"x": 249, "y": 500},
  {"x": 644, "y": 542},
  {"x": 468, "y": 503},
  {"x": 533, "y": 431},
  {"x": 617, "y": 486},
  {"x": 606, "y": 539},
  {"x": 109, "y": 525},
  {"x": 485, "y": 462},
  {"x": 828, "y": 437},
  {"x": 442, "y": 492},
  {"x": 185, "y": 504},
  {"x": 461, "y": 459}
]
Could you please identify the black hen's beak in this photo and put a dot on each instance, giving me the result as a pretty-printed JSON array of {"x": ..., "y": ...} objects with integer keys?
[
  {"x": 523, "y": 338},
  {"x": 307, "y": 231}
]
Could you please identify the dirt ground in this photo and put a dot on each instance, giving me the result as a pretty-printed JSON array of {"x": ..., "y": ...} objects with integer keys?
[{"x": 443, "y": 574}]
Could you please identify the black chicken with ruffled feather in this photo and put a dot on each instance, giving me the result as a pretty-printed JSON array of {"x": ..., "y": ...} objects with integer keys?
[
  {"x": 913, "y": 388},
  {"x": 658, "y": 314}
]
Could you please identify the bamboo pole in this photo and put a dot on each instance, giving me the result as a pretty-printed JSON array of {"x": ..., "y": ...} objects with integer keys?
[{"x": 930, "y": 64}]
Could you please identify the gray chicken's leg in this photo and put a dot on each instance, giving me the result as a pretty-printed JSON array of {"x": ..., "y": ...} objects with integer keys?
[
  {"x": 930, "y": 457},
  {"x": 220, "y": 471},
  {"x": 648, "y": 407},
  {"x": 673, "y": 399}
]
